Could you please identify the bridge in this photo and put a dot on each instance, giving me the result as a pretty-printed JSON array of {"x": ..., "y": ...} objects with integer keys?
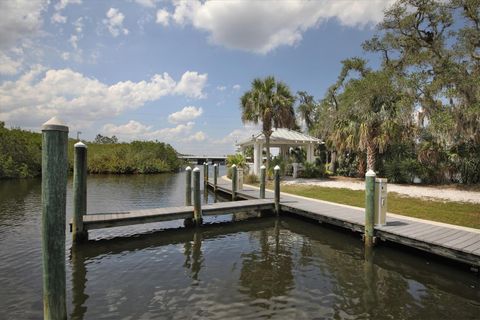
[{"x": 200, "y": 159}]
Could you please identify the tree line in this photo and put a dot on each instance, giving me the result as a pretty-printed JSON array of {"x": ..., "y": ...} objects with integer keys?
[
  {"x": 21, "y": 155},
  {"x": 415, "y": 116}
]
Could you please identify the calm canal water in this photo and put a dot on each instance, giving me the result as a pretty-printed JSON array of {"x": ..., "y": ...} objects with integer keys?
[{"x": 267, "y": 268}]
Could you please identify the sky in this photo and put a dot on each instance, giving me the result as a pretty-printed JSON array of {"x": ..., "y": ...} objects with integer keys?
[{"x": 172, "y": 71}]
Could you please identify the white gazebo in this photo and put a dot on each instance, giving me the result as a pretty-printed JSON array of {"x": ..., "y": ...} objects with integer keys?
[{"x": 283, "y": 139}]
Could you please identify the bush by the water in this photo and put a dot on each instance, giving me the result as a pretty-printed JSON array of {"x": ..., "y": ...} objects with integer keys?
[{"x": 21, "y": 155}]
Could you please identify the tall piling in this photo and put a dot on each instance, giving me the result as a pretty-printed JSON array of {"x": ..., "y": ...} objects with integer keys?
[
  {"x": 197, "y": 201},
  {"x": 369, "y": 207},
  {"x": 205, "y": 173},
  {"x": 215, "y": 177},
  {"x": 54, "y": 196},
  {"x": 234, "y": 182},
  {"x": 277, "y": 189},
  {"x": 262, "y": 181},
  {"x": 79, "y": 234},
  {"x": 188, "y": 186}
]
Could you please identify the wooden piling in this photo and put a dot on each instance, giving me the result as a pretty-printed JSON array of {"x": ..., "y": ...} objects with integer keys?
[
  {"x": 369, "y": 207},
  {"x": 262, "y": 181},
  {"x": 79, "y": 234},
  {"x": 215, "y": 177},
  {"x": 54, "y": 196},
  {"x": 234, "y": 182},
  {"x": 188, "y": 186},
  {"x": 197, "y": 201},
  {"x": 277, "y": 189},
  {"x": 205, "y": 173}
]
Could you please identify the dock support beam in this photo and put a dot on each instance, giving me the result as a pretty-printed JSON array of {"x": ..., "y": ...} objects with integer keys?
[
  {"x": 197, "y": 201},
  {"x": 54, "y": 196},
  {"x": 188, "y": 186},
  {"x": 234, "y": 182},
  {"x": 262, "y": 181},
  {"x": 79, "y": 192},
  {"x": 369, "y": 207},
  {"x": 215, "y": 177},
  {"x": 277, "y": 189}
]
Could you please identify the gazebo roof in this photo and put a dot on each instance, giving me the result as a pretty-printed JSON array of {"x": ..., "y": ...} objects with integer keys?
[{"x": 281, "y": 136}]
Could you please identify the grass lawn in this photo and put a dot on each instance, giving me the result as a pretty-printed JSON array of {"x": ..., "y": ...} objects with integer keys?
[{"x": 459, "y": 213}]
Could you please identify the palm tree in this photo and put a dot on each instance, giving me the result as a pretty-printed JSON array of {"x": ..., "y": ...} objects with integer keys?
[
  {"x": 271, "y": 103},
  {"x": 306, "y": 109},
  {"x": 371, "y": 112}
]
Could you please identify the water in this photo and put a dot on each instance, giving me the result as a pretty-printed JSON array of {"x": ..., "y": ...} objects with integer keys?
[{"x": 266, "y": 268}]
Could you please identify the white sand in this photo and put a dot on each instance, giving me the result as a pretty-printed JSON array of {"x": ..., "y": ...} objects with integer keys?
[{"x": 443, "y": 193}]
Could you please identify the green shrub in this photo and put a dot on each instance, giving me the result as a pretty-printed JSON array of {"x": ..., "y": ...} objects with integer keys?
[
  {"x": 312, "y": 170},
  {"x": 250, "y": 178}
]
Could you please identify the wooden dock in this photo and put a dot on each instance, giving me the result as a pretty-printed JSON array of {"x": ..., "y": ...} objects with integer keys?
[
  {"x": 107, "y": 220},
  {"x": 449, "y": 241}
]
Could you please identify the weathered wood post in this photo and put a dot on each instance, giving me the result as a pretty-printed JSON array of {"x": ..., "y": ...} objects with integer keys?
[
  {"x": 277, "y": 189},
  {"x": 79, "y": 234},
  {"x": 188, "y": 186},
  {"x": 262, "y": 181},
  {"x": 54, "y": 196},
  {"x": 369, "y": 207},
  {"x": 234, "y": 182},
  {"x": 197, "y": 201},
  {"x": 205, "y": 173},
  {"x": 215, "y": 177}
]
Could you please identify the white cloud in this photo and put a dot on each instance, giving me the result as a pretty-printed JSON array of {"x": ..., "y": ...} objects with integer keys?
[
  {"x": 262, "y": 26},
  {"x": 191, "y": 84},
  {"x": 65, "y": 56},
  {"x": 147, "y": 3},
  {"x": 74, "y": 41},
  {"x": 238, "y": 135},
  {"x": 58, "y": 18},
  {"x": 196, "y": 137},
  {"x": 163, "y": 17},
  {"x": 62, "y": 4},
  {"x": 136, "y": 130},
  {"x": 38, "y": 95},
  {"x": 8, "y": 65},
  {"x": 221, "y": 88},
  {"x": 236, "y": 87},
  {"x": 185, "y": 115},
  {"x": 132, "y": 128},
  {"x": 114, "y": 22},
  {"x": 19, "y": 20}
]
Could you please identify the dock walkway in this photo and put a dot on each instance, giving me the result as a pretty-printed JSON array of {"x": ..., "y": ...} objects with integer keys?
[
  {"x": 454, "y": 242},
  {"x": 106, "y": 220}
]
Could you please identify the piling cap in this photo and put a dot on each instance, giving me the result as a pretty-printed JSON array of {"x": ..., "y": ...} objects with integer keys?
[
  {"x": 276, "y": 167},
  {"x": 196, "y": 169},
  {"x": 234, "y": 166},
  {"x": 370, "y": 173},
  {"x": 215, "y": 165},
  {"x": 80, "y": 144},
  {"x": 188, "y": 168},
  {"x": 54, "y": 124},
  {"x": 263, "y": 167}
]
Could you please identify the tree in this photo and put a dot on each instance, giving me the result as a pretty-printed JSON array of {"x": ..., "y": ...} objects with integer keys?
[
  {"x": 368, "y": 113},
  {"x": 434, "y": 47},
  {"x": 306, "y": 108},
  {"x": 271, "y": 103},
  {"x": 105, "y": 140}
]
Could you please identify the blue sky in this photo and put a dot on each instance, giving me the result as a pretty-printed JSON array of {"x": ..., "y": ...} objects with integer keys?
[{"x": 168, "y": 70}]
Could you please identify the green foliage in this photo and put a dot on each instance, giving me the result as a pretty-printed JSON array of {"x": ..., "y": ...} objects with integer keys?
[
  {"x": 238, "y": 160},
  {"x": 250, "y": 179},
  {"x": 142, "y": 157},
  {"x": 271, "y": 103},
  {"x": 20, "y": 155},
  {"x": 313, "y": 170}
]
